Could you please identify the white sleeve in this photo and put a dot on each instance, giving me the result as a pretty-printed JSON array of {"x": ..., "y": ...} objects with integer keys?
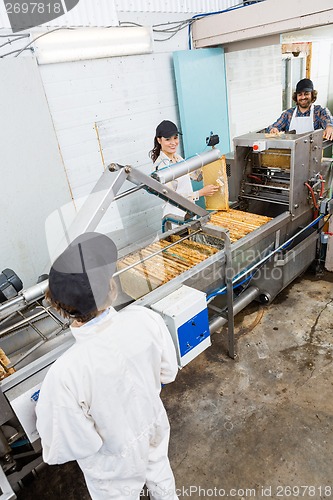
[
  {"x": 162, "y": 336},
  {"x": 195, "y": 195},
  {"x": 191, "y": 195},
  {"x": 197, "y": 175},
  {"x": 185, "y": 189},
  {"x": 66, "y": 431}
]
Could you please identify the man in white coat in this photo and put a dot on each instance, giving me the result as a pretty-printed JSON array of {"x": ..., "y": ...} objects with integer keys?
[{"x": 100, "y": 401}]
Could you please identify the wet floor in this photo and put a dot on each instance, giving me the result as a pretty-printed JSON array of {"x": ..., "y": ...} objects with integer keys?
[{"x": 259, "y": 426}]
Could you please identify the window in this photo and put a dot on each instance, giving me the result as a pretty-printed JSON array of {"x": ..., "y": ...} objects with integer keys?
[{"x": 293, "y": 70}]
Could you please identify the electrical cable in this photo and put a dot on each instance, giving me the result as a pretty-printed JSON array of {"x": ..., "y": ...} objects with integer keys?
[
  {"x": 9, "y": 42},
  {"x": 173, "y": 30},
  {"x": 27, "y": 47},
  {"x": 170, "y": 30},
  {"x": 13, "y": 34},
  {"x": 315, "y": 204},
  {"x": 247, "y": 280},
  {"x": 223, "y": 291},
  {"x": 39, "y": 36},
  {"x": 325, "y": 222},
  {"x": 174, "y": 221},
  {"x": 255, "y": 177},
  {"x": 183, "y": 21},
  {"x": 14, "y": 51},
  {"x": 178, "y": 24},
  {"x": 128, "y": 23},
  {"x": 237, "y": 285},
  {"x": 234, "y": 7},
  {"x": 165, "y": 39}
]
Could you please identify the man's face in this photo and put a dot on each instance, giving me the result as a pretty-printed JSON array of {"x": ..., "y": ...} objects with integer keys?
[{"x": 304, "y": 100}]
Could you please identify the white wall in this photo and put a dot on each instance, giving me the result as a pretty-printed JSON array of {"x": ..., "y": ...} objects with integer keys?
[
  {"x": 33, "y": 179},
  {"x": 254, "y": 88},
  {"x": 320, "y": 70},
  {"x": 126, "y": 97},
  {"x": 330, "y": 82}
]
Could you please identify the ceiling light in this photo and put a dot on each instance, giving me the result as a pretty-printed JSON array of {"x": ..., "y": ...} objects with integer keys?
[{"x": 65, "y": 45}]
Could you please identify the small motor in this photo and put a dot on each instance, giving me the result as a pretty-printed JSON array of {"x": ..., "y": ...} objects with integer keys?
[
  {"x": 212, "y": 140},
  {"x": 10, "y": 285}
]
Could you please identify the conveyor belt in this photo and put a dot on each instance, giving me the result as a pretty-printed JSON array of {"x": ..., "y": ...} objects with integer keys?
[
  {"x": 161, "y": 268},
  {"x": 172, "y": 262},
  {"x": 239, "y": 223}
]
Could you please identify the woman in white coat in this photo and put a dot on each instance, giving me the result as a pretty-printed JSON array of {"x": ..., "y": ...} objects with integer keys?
[
  {"x": 100, "y": 401},
  {"x": 164, "y": 153}
]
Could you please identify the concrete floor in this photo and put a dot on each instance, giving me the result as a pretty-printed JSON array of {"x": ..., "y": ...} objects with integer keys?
[{"x": 254, "y": 427}]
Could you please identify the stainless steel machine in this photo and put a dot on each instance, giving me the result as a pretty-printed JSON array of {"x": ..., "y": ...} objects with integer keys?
[{"x": 197, "y": 275}]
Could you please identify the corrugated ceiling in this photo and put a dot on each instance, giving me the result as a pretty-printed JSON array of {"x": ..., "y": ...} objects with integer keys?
[
  {"x": 179, "y": 6},
  {"x": 85, "y": 13},
  {"x": 104, "y": 12}
]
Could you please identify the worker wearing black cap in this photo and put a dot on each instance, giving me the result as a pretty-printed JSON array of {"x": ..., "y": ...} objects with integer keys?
[
  {"x": 163, "y": 154},
  {"x": 306, "y": 116},
  {"x": 100, "y": 401}
]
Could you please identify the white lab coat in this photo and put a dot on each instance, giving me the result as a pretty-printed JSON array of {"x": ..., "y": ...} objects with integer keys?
[
  {"x": 302, "y": 124},
  {"x": 100, "y": 405},
  {"x": 182, "y": 185}
]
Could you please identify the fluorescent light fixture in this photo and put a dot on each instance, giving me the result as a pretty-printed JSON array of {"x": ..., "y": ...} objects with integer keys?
[{"x": 76, "y": 44}]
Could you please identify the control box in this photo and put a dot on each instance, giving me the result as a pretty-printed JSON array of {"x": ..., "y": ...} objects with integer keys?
[
  {"x": 186, "y": 316},
  {"x": 258, "y": 146}
]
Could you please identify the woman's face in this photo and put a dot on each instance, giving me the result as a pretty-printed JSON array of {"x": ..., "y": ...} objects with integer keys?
[{"x": 169, "y": 145}]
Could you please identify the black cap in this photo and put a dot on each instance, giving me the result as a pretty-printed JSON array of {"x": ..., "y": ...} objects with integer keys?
[
  {"x": 304, "y": 85},
  {"x": 167, "y": 129},
  {"x": 80, "y": 276}
]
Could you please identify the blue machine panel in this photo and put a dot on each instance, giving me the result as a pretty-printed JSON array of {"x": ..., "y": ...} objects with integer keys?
[{"x": 194, "y": 331}]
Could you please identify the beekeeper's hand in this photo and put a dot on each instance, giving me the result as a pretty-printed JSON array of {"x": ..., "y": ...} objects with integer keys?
[{"x": 208, "y": 190}]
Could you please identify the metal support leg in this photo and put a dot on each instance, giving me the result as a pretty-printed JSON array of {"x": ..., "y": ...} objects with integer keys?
[{"x": 230, "y": 295}]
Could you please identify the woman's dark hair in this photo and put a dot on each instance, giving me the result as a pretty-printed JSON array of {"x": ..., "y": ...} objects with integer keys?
[
  {"x": 314, "y": 94},
  {"x": 155, "y": 152}
]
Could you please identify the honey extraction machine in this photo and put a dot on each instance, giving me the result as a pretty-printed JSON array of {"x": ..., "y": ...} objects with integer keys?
[{"x": 197, "y": 275}]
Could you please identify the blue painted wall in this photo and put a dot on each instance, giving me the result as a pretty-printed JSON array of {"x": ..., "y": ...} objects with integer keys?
[{"x": 202, "y": 98}]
